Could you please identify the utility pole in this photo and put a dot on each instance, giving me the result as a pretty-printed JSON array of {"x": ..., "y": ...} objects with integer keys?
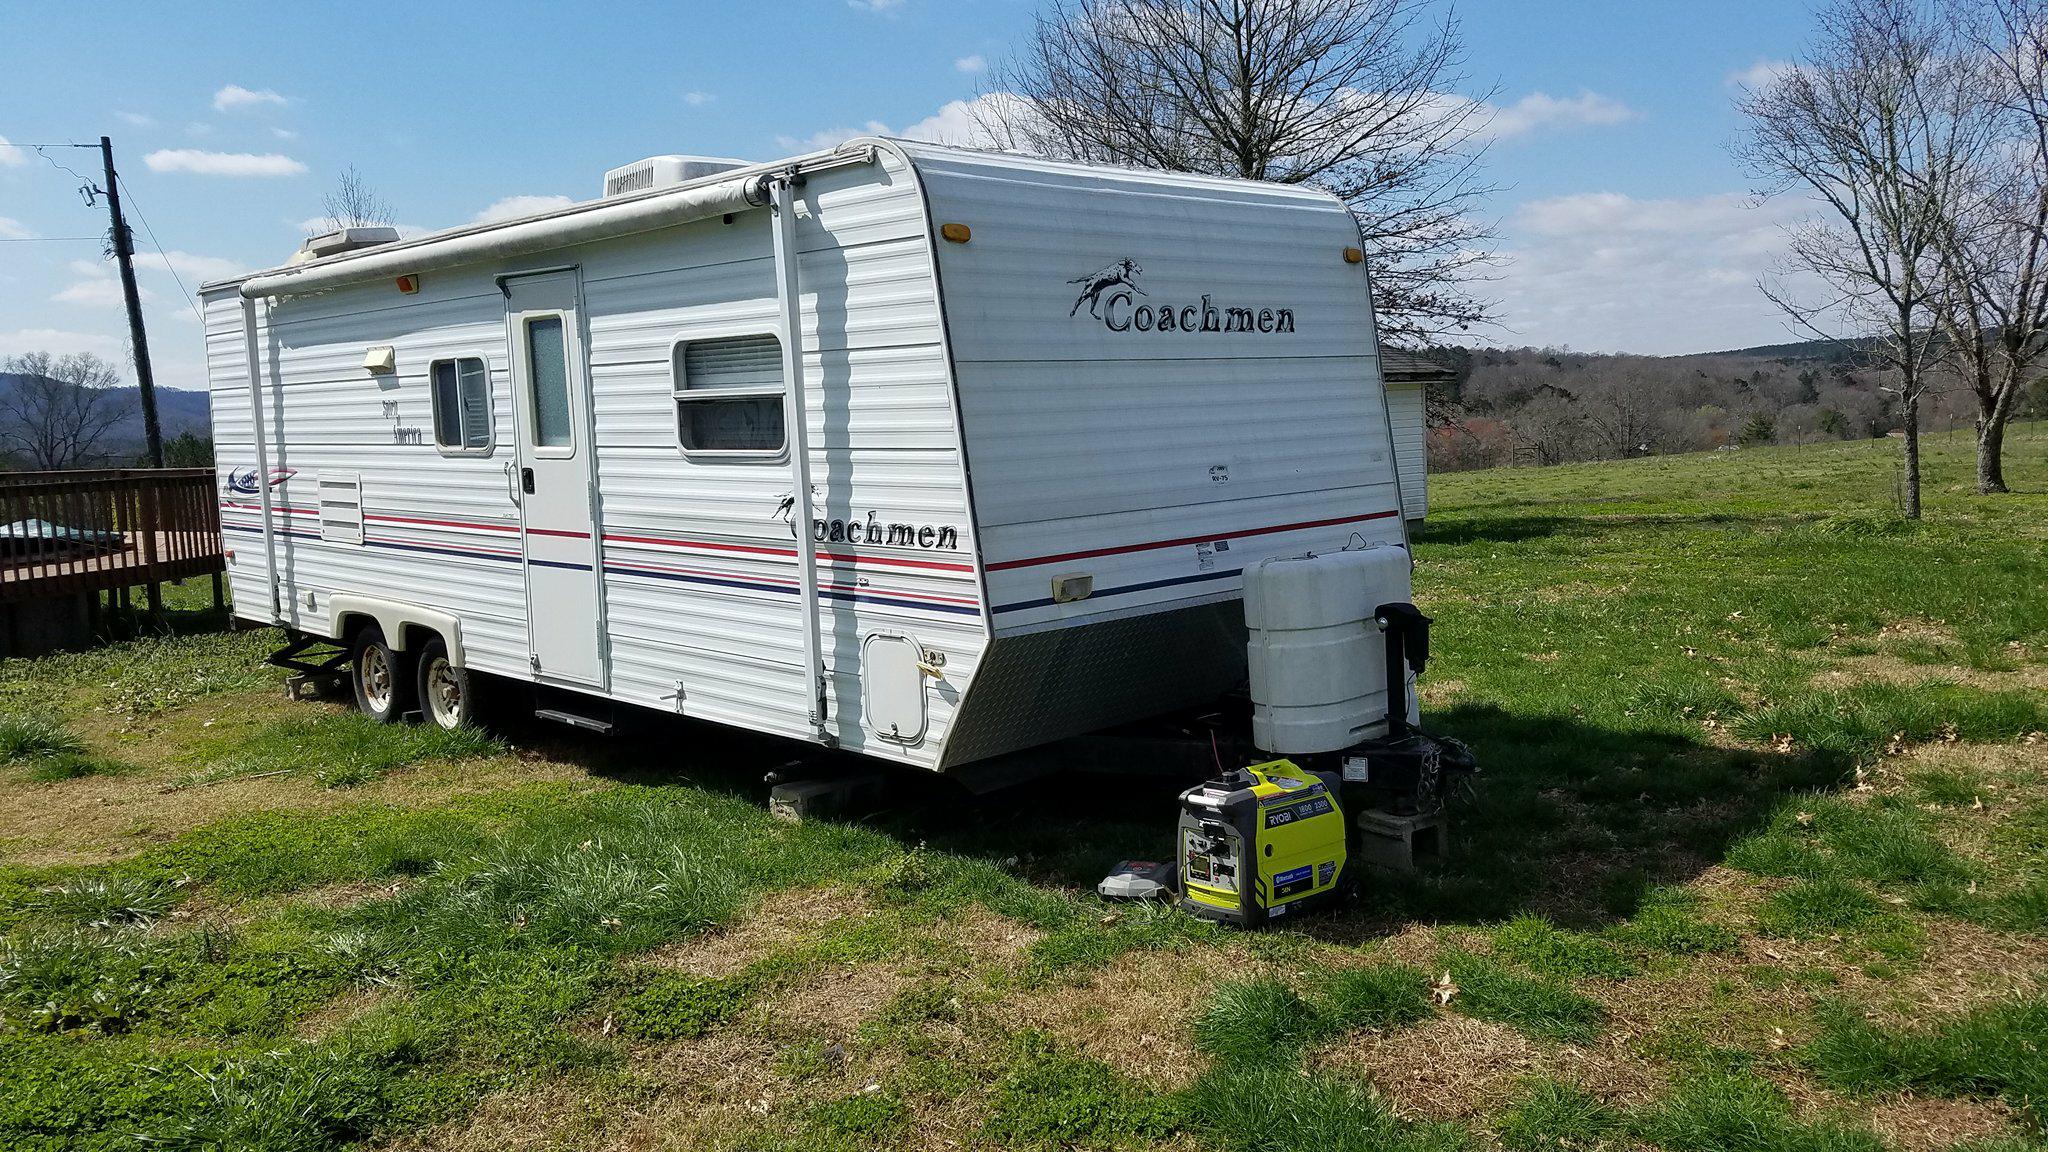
[{"x": 124, "y": 253}]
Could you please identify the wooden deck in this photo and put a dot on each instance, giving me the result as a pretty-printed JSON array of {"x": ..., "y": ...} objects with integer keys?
[{"x": 91, "y": 531}]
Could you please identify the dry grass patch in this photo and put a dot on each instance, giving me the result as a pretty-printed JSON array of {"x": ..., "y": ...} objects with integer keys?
[
  {"x": 1138, "y": 1013},
  {"x": 781, "y": 921},
  {"x": 1888, "y": 669},
  {"x": 1453, "y": 1067},
  {"x": 1933, "y": 1123},
  {"x": 101, "y": 819}
]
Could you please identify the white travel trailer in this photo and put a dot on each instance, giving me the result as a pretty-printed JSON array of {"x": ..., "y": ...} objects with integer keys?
[{"x": 925, "y": 453}]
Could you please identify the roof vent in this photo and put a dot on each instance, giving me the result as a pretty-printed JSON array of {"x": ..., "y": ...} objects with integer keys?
[
  {"x": 342, "y": 240},
  {"x": 664, "y": 172}
]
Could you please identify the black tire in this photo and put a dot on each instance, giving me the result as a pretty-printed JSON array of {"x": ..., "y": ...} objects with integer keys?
[
  {"x": 383, "y": 683},
  {"x": 446, "y": 693}
]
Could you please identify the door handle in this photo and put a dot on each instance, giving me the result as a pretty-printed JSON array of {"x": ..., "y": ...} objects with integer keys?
[
  {"x": 526, "y": 480},
  {"x": 511, "y": 484}
]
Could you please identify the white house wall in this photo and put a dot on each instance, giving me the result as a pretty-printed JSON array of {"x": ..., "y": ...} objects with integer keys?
[{"x": 1405, "y": 407}]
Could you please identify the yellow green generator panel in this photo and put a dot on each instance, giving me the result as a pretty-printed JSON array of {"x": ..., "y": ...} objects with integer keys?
[{"x": 1261, "y": 842}]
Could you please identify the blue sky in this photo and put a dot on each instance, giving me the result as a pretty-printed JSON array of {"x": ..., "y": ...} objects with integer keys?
[{"x": 1625, "y": 225}]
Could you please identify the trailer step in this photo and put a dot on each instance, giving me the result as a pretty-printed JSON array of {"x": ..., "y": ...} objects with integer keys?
[{"x": 587, "y": 723}]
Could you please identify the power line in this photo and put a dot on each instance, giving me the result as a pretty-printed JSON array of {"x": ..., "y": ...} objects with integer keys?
[
  {"x": 166, "y": 256},
  {"x": 46, "y": 239}
]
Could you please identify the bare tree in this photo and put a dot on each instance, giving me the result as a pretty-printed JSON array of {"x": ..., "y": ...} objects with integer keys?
[
  {"x": 1878, "y": 123},
  {"x": 1992, "y": 309},
  {"x": 354, "y": 204},
  {"x": 57, "y": 410},
  {"x": 1354, "y": 96}
]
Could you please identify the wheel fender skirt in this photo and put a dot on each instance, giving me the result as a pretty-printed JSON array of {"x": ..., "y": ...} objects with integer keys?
[{"x": 394, "y": 618}]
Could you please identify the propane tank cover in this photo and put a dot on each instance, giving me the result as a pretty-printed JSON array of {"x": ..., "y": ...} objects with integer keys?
[{"x": 1316, "y": 654}]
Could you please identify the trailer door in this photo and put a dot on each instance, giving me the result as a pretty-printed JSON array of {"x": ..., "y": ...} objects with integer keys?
[{"x": 557, "y": 479}]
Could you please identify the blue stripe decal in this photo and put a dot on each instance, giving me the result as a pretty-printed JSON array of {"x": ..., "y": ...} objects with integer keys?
[
  {"x": 1144, "y": 587},
  {"x": 459, "y": 553},
  {"x": 870, "y": 598},
  {"x": 278, "y": 531},
  {"x": 558, "y": 564}
]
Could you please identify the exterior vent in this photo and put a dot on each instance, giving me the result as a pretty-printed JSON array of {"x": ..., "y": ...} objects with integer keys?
[
  {"x": 342, "y": 240},
  {"x": 664, "y": 172},
  {"x": 341, "y": 507}
]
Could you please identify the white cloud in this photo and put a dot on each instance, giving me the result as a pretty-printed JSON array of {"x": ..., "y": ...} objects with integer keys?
[
  {"x": 513, "y": 207},
  {"x": 284, "y": 134},
  {"x": 235, "y": 98},
  {"x": 1540, "y": 110},
  {"x": 99, "y": 292},
  {"x": 12, "y": 229},
  {"x": 698, "y": 99},
  {"x": 830, "y": 137},
  {"x": 1759, "y": 75},
  {"x": 974, "y": 63},
  {"x": 136, "y": 119},
  {"x": 222, "y": 163},
  {"x": 1607, "y": 271},
  {"x": 958, "y": 123},
  {"x": 10, "y": 156},
  {"x": 62, "y": 342},
  {"x": 195, "y": 267},
  {"x": 878, "y": 7}
]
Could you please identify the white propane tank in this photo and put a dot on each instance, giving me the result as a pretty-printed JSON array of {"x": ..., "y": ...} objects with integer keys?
[{"x": 1318, "y": 660}]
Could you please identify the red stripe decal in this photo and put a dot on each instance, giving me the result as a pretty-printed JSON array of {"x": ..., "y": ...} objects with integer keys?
[{"x": 1121, "y": 548}]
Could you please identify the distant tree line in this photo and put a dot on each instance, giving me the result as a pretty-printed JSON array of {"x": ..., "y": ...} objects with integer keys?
[
  {"x": 63, "y": 412},
  {"x": 1536, "y": 406}
]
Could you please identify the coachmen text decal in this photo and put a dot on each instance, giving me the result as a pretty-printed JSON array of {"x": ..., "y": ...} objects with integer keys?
[{"x": 1111, "y": 296}]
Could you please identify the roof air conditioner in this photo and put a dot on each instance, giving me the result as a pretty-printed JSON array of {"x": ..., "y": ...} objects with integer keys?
[{"x": 664, "y": 172}]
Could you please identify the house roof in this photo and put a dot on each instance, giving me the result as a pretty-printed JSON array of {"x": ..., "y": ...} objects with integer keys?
[{"x": 1407, "y": 366}]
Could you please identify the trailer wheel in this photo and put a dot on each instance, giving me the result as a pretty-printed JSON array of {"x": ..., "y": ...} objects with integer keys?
[
  {"x": 447, "y": 698},
  {"x": 383, "y": 692}
]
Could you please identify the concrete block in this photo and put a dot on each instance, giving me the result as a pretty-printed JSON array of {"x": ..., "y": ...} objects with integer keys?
[
  {"x": 800, "y": 800},
  {"x": 1402, "y": 843}
]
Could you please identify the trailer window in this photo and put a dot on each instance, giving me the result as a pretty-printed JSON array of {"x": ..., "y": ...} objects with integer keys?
[
  {"x": 729, "y": 396},
  {"x": 547, "y": 363},
  {"x": 462, "y": 404}
]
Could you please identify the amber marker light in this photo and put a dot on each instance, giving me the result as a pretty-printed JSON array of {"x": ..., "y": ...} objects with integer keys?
[
  {"x": 1354, "y": 256},
  {"x": 957, "y": 233}
]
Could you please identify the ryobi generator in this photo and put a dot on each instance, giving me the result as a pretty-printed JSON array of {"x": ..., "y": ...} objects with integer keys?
[{"x": 1261, "y": 842}]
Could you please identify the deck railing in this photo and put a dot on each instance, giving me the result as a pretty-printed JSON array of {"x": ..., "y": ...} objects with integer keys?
[{"x": 91, "y": 530}]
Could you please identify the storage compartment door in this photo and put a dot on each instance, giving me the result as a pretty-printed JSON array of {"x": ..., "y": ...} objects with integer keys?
[{"x": 892, "y": 688}]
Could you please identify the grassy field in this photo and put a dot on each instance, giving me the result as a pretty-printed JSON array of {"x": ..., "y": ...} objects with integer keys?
[{"x": 1758, "y": 860}]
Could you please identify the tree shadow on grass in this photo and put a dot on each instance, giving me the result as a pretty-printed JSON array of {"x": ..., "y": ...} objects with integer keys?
[{"x": 1567, "y": 819}]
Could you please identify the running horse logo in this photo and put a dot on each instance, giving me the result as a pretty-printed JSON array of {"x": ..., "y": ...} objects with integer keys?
[{"x": 1096, "y": 283}]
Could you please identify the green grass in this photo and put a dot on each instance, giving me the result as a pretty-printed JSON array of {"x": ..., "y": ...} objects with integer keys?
[
  {"x": 1543, "y": 1008},
  {"x": 25, "y": 739},
  {"x": 1547, "y": 950},
  {"x": 1661, "y": 664},
  {"x": 1554, "y": 1117},
  {"x": 343, "y": 750},
  {"x": 1050, "y": 1099},
  {"x": 1997, "y": 1050},
  {"x": 1733, "y": 1112}
]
